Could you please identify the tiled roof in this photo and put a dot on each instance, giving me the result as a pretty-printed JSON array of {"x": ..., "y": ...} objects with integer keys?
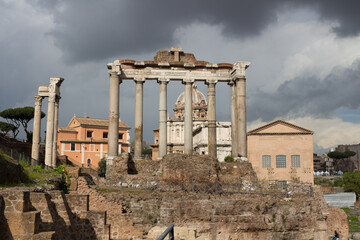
[
  {"x": 258, "y": 130},
  {"x": 66, "y": 129},
  {"x": 97, "y": 122}
]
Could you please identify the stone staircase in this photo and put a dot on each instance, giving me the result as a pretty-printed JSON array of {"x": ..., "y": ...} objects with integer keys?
[{"x": 54, "y": 215}]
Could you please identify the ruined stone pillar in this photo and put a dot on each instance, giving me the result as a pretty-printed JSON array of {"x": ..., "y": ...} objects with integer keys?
[
  {"x": 234, "y": 137},
  {"x": 240, "y": 79},
  {"x": 212, "y": 148},
  {"x": 162, "y": 118},
  {"x": 56, "y": 121},
  {"x": 188, "y": 119},
  {"x": 53, "y": 93},
  {"x": 138, "y": 119},
  {"x": 36, "y": 131},
  {"x": 113, "y": 134}
]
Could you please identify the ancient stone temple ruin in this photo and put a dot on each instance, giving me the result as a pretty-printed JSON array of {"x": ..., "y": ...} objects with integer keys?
[
  {"x": 176, "y": 65},
  {"x": 53, "y": 93}
]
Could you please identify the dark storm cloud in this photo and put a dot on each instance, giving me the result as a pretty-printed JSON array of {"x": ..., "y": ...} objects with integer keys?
[
  {"x": 93, "y": 30},
  {"x": 309, "y": 96},
  {"x": 88, "y": 30}
]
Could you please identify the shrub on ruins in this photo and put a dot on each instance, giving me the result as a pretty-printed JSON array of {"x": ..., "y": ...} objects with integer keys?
[
  {"x": 229, "y": 159},
  {"x": 20, "y": 116},
  {"x": 351, "y": 182},
  {"x": 102, "y": 167}
]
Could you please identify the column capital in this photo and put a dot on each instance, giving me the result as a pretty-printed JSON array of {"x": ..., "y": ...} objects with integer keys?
[
  {"x": 238, "y": 71},
  {"x": 38, "y": 100},
  {"x": 163, "y": 80},
  {"x": 56, "y": 81},
  {"x": 114, "y": 66},
  {"x": 209, "y": 81},
  {"x": 139, "y": 80},
  {"x": 188, "y": 80}
]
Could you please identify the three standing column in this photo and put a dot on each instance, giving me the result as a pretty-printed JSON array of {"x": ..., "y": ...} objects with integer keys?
[
  {"x": 36, "y": 130},
  {"x": 162, "y": 118},
  {"x": 212, "y": 149},
  {"x": 188, "y": 119},
  {"x": 138, "y": 119}
]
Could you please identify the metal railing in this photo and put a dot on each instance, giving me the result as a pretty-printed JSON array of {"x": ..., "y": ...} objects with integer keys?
[{"x": 170, "y": 231}]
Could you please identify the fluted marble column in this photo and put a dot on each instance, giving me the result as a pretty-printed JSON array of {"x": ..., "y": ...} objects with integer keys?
[
  {"x": 188, "y": 119},
  {"x": 212, "y": 148},
  {"x": 138, "y": 120},
  {"x": 162, "y": 118},
  {"x": 56, "y": 121},
  {"x": 36, "y": 130},
  {"x": 234, "y": 138},
  {"x": 113, "y": 135},
  {"x": 241, "y": 107}
]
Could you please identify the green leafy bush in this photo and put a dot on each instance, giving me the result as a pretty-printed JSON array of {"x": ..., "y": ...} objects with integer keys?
[
  {"x": 102, "y": 167},
  {"x": 229, "y": 159}
]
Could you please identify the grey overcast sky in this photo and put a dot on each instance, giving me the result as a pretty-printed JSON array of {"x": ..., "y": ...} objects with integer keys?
[{"x": 305, "y": 57}]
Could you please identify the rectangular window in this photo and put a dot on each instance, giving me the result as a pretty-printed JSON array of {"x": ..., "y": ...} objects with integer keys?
[
  {"x": 280, "y": 161},
  {"x": 89, "y": 134},
  {"x": 266, "y": 161},
  {"x": 295, "y": 161},
  {"x": 73, "y": 146},
  {"x": 121, "y": 135},
  {"x": 105, "y": 134}
]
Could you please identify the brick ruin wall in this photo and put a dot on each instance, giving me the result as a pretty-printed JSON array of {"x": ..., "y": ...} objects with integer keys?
[{"x": 91, "y": 213}]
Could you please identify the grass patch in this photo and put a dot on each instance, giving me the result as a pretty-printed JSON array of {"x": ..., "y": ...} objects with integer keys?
[{"x": 353, "y": 221}]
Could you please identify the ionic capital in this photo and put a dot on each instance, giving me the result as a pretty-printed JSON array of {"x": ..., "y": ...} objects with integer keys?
[
  {"x": 139, "y": 80},
  {"x": 238, "y": 71},
  {"x": 163, "y": 80},
  {"x": 188, "y": 80},
  {"x": 209, "y": 81}
]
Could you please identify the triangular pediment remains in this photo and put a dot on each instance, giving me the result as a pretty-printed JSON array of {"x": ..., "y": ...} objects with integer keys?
[{"x": 279, "y": 127}]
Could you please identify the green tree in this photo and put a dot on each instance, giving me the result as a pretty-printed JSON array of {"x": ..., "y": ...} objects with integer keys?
[
  {"x": 348, "y": 154},
  {"x": 7, "y": 127},
  {"x": 351, "y": 182},
  {"x": 20, "y": 116},
  {"x": 336, "y": 155}
]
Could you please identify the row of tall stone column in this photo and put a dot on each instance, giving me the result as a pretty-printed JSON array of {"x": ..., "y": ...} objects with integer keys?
[
  {"x": 238, "y": 115},
  {"x": 53, "y": 93}
]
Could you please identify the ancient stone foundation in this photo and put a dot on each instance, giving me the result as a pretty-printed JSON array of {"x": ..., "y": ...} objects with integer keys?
[{"x": 28, "y": 215}]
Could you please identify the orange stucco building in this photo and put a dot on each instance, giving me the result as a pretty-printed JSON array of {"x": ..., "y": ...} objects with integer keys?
[
  {"x": 281, "y": 151},
  {"x": 84, "y": 141}
]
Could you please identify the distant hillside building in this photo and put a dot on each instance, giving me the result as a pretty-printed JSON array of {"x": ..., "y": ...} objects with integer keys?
[
  {"x": 85, "y": 140},
  {"x": 281, "y": 151}
]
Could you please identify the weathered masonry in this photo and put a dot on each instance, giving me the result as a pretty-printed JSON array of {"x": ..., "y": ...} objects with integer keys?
[
  {"x": 53, "y": 93},
  {"x": 175, "y": 65}
]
